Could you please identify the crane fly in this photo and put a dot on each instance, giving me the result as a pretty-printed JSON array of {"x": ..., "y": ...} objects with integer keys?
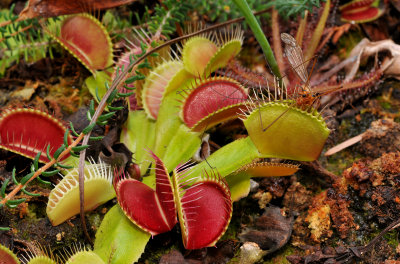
[{"x": 294, "y": 54}]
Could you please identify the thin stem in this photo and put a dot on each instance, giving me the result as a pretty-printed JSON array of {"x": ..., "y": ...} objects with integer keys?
[
  {"x": 259, "y": 34},
  {"x": 17, "y": 32},
  {"x": 276, "y": 39}
]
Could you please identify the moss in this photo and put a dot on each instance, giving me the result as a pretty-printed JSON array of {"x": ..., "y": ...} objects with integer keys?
[
  {"x": 280, "y": 255},
  {"x": 392, "y": 238}
]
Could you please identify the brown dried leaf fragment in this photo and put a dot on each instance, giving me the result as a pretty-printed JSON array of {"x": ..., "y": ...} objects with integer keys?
[
  {"x": 51, "y": 8},
  {"x": 271, "y": 231}
]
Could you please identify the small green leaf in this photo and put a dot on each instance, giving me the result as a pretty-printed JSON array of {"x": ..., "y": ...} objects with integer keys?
[
  {"x": 96, "y": 138},
  {"x": 36, "y": 160},
  {"x": 80, "y": 148},
  {"x": 97, "y": 94},
  {"x": 88, "y": 129},
  {"x": 64, "y": 166},
  {"x": 66, "y": 137},
  {"x": 48, "y": 152},
  {"x": 115, "y": 108},
  {"x": 124, "y": 94},
  {"x": 15, "y": 202},
  {"x": 128, "y": 87},
  {"x": 58, "y": 151},
  {"x": 50, "y": 173},
  {"x": 26, "y": 178},
  {"x": 134, "y": 79},
  {"x": 101, "y": 123},
  {"x": 29, "y": 193},
  {"x": 73, "y": 129},
  {"x": 105, "y": 117},
  {"x": 43, "y": 181},
  {"x": 91, "y": 108},
  {"x": 3, "y": 188},
  {"x": 13, "y": 177},
  {"x": 73, "y": 154}
]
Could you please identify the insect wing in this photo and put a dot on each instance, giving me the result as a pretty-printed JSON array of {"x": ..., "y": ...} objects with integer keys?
[{"x": 295, "y": 56}]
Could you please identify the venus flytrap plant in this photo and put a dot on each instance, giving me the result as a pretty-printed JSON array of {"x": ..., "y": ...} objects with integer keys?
[{"x": 208, "y": 184}]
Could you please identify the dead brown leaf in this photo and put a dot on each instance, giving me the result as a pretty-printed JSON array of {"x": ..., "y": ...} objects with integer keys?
[{"x": 51, "y": 8}]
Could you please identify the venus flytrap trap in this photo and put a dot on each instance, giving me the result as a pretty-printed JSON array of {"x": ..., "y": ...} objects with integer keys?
[
  {"x": 202, "y": 222},
  {"x": 154, "y": 87},
  {"x": 38, "y": 254},
  {"x": 91, "y": 45},
  {"x": 280, "y": 130},
  {"x": 204, "y": 54},
  {"x": 8, "y": 256},
  {"x": 22, "y": 132},
  {"x": 269, "y": 169},
  {"x": 211, "y": 101},
  {"x": 64, "y": 198},
  {"x": 161, "y": 91},
  {"x": 360, "y": 11}
]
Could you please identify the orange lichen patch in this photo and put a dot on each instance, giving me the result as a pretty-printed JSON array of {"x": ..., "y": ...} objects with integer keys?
[
  {"x": 340, "y": 214},
  {"x": 388, "y": 163},
  {"x": 318, "y": 218},
  {"x": 270, "y": 169},
  {"x": 360, "y": 175}
]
